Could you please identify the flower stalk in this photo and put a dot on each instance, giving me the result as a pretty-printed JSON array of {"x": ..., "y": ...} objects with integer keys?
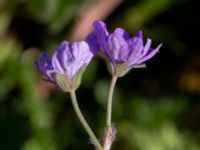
[
  {"x": 84, "y": 122},
  {"x": 109, "y": 101}
]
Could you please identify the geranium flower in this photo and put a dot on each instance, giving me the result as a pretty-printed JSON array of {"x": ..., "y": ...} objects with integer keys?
[
  {"x": 122, "y": 51},
  {"x": 67, "y": 64}
]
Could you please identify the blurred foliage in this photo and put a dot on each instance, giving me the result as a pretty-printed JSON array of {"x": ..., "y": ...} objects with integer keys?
[
  {"x": 156, "y": 108},
  {"x": 56, "y": 14}
]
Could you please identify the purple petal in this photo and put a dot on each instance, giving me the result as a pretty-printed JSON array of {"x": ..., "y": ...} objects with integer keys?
[
  {"x": 102, "y": 34},
  {"x": 118, "y": 46},
  {"x": 138, "y": 34},
  {"x": 81, "y": 56},
  {"x": 82, "y": 52},
  {"x": 58, "y": 58},
  {"x": 136, "y": 47},
  {"x": 121, "y": 32},
  {"x": 146, "y": 47},
  {"x": 60, "y": 53},
  {"x": 92, "y": 42},
  {"x": 45, "y": 66},
  {"x": 141, "y": 52},
  {"x": 151, "y": 53}
]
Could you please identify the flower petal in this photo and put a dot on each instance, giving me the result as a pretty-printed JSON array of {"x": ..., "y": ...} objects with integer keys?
[
  {"x": 60, "y": 53},
  {"x": 121, "y": 32},
  {"x": 118, "y": 46},
  {"x": 151, "y": 53},
  {"x": 138, "y": 34},
  {"x": 81, "y": 56},
  {"x": 136, "y": 47},
  {"x": 45, "y": 66},
  {"x": 146, "y": 47},
  {"x": 91, "y": 39},
  {"x": 140, "y": 52},
  {"x": 58, "y": 60},
  {"x": 102, "y": 34}
]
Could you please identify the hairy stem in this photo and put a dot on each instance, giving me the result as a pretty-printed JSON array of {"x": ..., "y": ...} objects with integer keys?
[
  {"x": 84, "y": 122},
  {"x": 109, "y": 102}
]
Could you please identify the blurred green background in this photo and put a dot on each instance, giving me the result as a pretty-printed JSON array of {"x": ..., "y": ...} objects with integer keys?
[{"x": 156, "y": 108}]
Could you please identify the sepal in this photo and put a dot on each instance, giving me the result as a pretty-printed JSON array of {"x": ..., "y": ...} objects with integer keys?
[{"x": 68, "y": 85}]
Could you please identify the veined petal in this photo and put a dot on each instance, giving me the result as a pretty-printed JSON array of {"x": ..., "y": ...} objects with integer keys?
[
  {"x": 63, "y": 47},
  {"x": 138, "y": 34},
  {"x": 102, "y": 34},
  {"x": 146, "y": 47},
  {"x": 58, "y": 61},
  {"x": 136, "y": 47},
  {"x": 45, "y": 66},
  {"x": 151, "y": 53},
  {"x": 91, "y": 39},
  {"x": 118, "y": 46},
  {"x": 121, "y": 32},
  {"x": 81, "y": 56},
  {"x": 141, "y": 52},
  {"x": 82, "y": 52}
]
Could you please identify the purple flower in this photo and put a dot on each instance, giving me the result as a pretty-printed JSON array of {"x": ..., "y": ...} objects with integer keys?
[
  {"x": 122, "y": 51},
  {"x": 67, "y": 64}
]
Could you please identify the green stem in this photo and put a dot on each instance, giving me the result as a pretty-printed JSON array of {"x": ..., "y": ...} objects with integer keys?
[
  {"x": 109, "y": 102},
  {"x": 84, "y": 122}
]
